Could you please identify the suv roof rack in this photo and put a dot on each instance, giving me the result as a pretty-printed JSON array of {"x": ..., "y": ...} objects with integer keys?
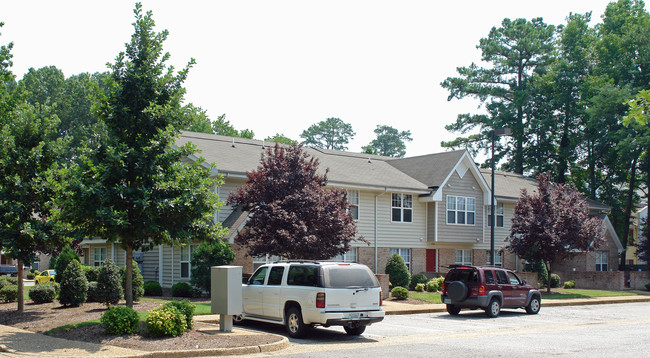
[{"x": 297, "y": 261}]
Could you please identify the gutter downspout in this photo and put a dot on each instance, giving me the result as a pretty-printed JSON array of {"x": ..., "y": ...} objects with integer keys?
[{"x": 376, "y": 235}]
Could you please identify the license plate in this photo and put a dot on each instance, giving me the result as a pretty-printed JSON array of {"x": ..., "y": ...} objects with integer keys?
[
  {"x": 446, "y": 300},
  {"x": 354, "y": 315}
]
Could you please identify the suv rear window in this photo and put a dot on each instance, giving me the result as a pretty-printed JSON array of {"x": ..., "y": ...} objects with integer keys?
[
  {"x": 303, "y": 275},
  {"x": 349, "y": 277},
  {"x": 466, "y": 276}
]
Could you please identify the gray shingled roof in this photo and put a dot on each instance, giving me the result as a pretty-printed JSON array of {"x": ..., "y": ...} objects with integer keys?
[
  {"x": 355, "y": 169},
  {"x": 431, "y": 169}
]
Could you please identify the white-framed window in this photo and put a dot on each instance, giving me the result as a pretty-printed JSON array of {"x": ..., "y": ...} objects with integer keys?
[
  {"x": 498, "y": 258},
  {"x": 263, "y": 260},
  {"x": 405, "y": 254},
  {"x": 353, "y": 198},
  {"x": 461, "y": 210},
  {"x": 186, "y": 260},
  {"x": 601, "y": 261},
  {"x": 349, "y": 256},
  {"x": 402, "y": 208},
  {"x": 498, "y": 212},
  {"x": 463, "y": 257},
  {"x": 99, "y": 255}
]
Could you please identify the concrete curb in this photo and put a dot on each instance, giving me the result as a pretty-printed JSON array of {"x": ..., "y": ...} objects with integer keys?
[{"x": 271, "y": 347}]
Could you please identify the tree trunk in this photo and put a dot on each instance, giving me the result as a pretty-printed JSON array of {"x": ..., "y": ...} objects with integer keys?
[
  {"x": 628, "y": 209},
  {"x": 128, "y": 289},
  {"x": 21, "y": 300},
  {"x": 548, "y": 276}
]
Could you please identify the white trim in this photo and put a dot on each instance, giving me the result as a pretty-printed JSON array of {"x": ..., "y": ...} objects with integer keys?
[
  {"x": 435, "y": 222},
  {"x": 610, "y": 228},
  {"x": 160, "y": 264},
  {"x": 475, "y": 172}
]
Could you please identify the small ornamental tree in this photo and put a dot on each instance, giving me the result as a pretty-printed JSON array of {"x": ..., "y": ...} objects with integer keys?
[
  {"x": 292, "y": 214},
  {"x": 109, "y": 285},
  {"x": 66, "y": 256},
  {"x": 74, "y": 285},
  {"x": 551, "y": 224},
  {"x": 398, "y": 273},
  {"x": 206, "y": 255}
]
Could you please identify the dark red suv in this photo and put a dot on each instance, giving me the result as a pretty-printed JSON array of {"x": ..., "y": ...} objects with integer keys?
[{"x": 488, "y": 288}]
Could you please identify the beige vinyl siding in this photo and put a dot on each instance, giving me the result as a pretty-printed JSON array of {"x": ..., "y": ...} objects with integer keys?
[
  {"x": 149, "y": 264},
  {"x": 400, "y": 234},
  {"x": 228, "y": 186},
  {"x": 500, "y": 233},
  {"x": 431, "y": 220},
  {"x": 168, "y": 266},
  {"x": 467, "y": 186}
]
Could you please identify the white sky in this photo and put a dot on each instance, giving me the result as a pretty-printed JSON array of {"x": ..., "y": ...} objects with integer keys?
[{"x": 280, "y": 66}]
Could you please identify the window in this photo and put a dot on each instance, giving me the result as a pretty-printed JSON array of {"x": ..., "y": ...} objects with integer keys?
[
  {"x": 402, "y": 208},
  {"x": 99, "y": 256},
  {"x": 353, "y": 197},
  {"x": 463, "y": 257},
  {"x": 405, "y": 254},
  {"x": 461, "y": 210},
  {"x": 258, "y": 277},
  {"x": 303, "y": 275},
  {"x": 502, "y": 278},
  {"x": 514, "y": 280},
  {"x": 601, "y": 261},
  {"x": 498, "y": 258},
  {"x": 350, "y": 256},
  {"x": 498, "y": 211},
  {"x": 489, "y": 277},
  {"x": 186, "y": 256},
  {"x": 275, "y": 277}
]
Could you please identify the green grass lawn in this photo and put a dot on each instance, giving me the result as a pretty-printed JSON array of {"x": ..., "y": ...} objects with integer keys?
[
  {"x": 431, "y": 297},
  {"x": 576, "y": 293}
]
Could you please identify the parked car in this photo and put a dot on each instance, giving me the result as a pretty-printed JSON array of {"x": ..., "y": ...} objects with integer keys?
[
  {"x": 303, "y": 294},
  {"x": 45, "y": 276},
  {"x": 8, "y": 270},
  {"x": 488, "y": 288}
]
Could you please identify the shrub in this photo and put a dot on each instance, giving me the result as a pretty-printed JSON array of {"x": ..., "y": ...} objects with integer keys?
[
  {"x": 647, "y": 286},
  {"x": 120, "y": 320},
  {"x": 205, "y": 256},
  {"x": 31, "y": 275},
  {"x": 9, "y": 293},
  {"x": 186, "y": 308},
  {"x": 93, "y": 294},
  {"x": 109, "y": 283},
  {"x": 435, "y": 284},
  {"x": 44, "y": 293},
  {"x": 8, "y": 280},
  {"x": 62, "y": 261},
  {"x": 137, "y": 282},
  {"x": 166, "y": 321},
  {"x": 417, "y": 278},
  {"x": 182, "y": 289},
  {"x": 152, "y": 288},
  {"x": 74, "y": 286},
  {"x": 555, "y": 280},
  {"x": 570, "y": 284},
  {"x": 399, "y": 293},
  {"x": 419, "y": 287},
  {"x": 397, "y": 271},
  {"x": 91, "y": 272}
]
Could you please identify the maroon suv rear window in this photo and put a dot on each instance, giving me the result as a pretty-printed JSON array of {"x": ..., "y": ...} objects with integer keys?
[{"x": 463, "y": 275}]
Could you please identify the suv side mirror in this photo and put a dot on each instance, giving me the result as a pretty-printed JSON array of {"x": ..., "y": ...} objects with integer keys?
[{"x": 523, "y": 282}]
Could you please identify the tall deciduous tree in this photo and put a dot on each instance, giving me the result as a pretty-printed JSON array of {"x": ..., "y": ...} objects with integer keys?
[
  {"x": 549, "y": 225},
  {"x": 223, "y": 127},
  {"x": 643, "y": 246},
  {"x": 389, "y": 142},
  {"x": 331, "y": 133},
  {"x": 135, "y": 189},
  {"x": 292, "y": 214},
  {"x": 513, "y": 52},
  {"x": 281, "y": 138}
]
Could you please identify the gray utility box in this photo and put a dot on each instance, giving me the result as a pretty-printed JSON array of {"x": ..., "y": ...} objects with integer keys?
[{"x": 226, "y": 291}]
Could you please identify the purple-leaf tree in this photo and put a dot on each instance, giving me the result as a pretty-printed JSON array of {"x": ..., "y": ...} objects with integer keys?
[
  {"x": 552, "y": 224},
  {"x": 291, "y": 212}
]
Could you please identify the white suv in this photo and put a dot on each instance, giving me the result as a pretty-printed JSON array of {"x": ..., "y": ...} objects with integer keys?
[{"x": 301, "y": 294}]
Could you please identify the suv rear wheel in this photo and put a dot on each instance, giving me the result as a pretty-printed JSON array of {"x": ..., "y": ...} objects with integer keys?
[
  {"x": 533, "y": 305},
  {"x": 354, "y": 331},
  {"x": 493, "y": 309},
  {"x": 294, "y": 324},
  {"x": 453, "y": 310}
]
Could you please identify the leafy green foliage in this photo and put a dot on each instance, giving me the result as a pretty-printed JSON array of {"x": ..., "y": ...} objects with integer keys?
[
  {"x": 223, "y": 127},
  {"x": 181, "y": 289},
  {"x": 647, "y": 286},
  {"x": 91, "y": 272},
  {"x": 8, "y": 280},
  {"x": 152, "y": 288},
  {"x": 555, "y": 280},
  {"x": 206, "y": 255},
  {"x": 166, "y": 321},
  {"x": 120, "y": 320},
  {"x": 282, "y": 139},
  {"x": 74, "y": 286},
  {"x": 292, "y": 213},
  {"x": 93, "y": 294},
  {"x": 133, "y": 187},
  {"x": 435, "y": 284},
  {"x": 417, "y": 278},
  {"x": 389, "y": 142},
  {"x": 569, "y": 284},
  {"x": 331, "y": 133},
  {"x": 64, "y": 259},
  {"x": 186, "y": 308},
  {"x": 397, "y": 271},
  {"x": 419, "y": 287},
  {"x": 8, "y": 293},
  {"x": 43, "y": 293},
  {"x": 109, "y": 283},
  {"x": 399, "y": 293},
  {"x": 137, "y": 281},
  {"x": 643, "y": 246}
]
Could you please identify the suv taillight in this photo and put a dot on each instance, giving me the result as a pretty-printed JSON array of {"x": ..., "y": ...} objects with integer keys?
[
  {"x": 481, "y": 290},
  {"x": 444, "y": 287},
  {"x": 320, "y": 300},
  {"x": 381, "y": 299}
]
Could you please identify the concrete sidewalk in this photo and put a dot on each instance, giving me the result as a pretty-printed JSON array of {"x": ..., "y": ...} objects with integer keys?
[{"x": 18, "y": 342}]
